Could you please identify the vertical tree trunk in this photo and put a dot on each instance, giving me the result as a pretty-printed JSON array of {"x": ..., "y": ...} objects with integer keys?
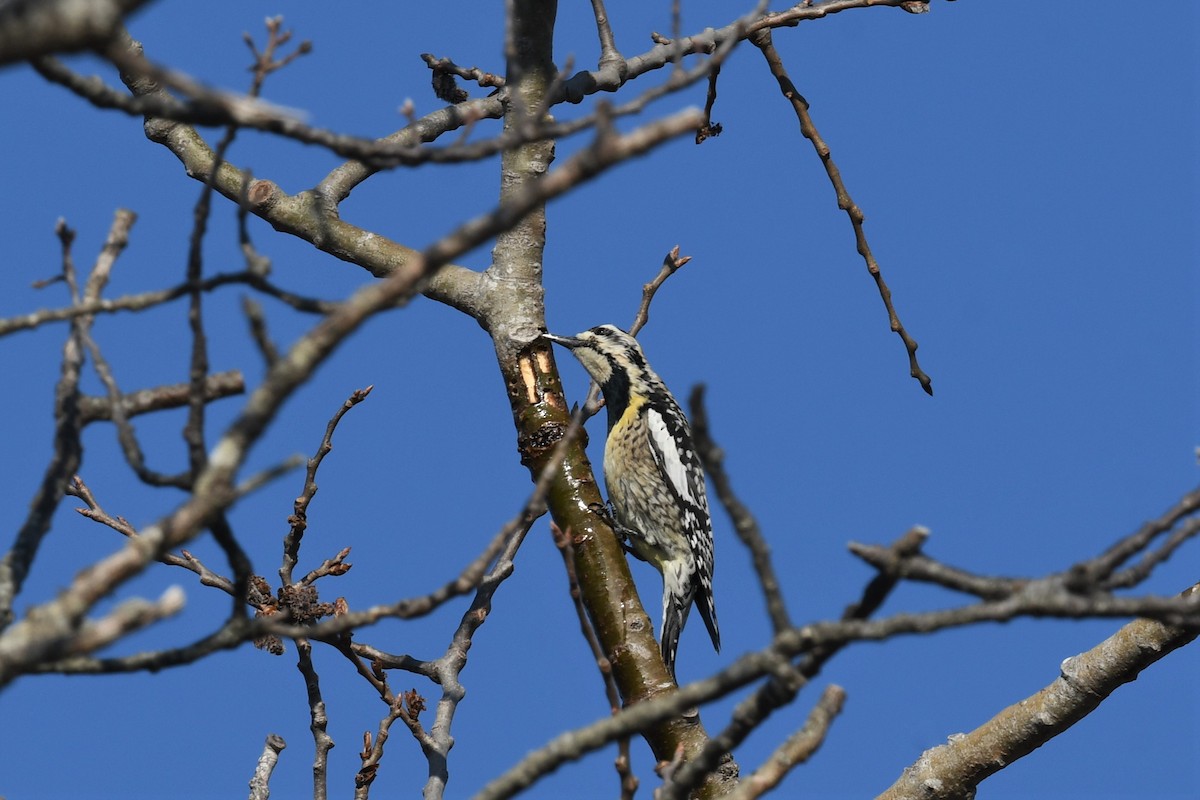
[{"x": 515, "y": 319}]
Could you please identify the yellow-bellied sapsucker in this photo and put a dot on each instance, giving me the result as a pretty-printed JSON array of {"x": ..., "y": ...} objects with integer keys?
[{"x": 654, "y": 478}]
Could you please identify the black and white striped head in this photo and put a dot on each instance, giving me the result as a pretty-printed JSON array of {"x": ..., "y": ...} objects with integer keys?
[{"x": 615, "y": 361}]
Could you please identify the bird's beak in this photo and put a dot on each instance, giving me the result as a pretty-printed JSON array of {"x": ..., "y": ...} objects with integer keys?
[{"x": 568, "y": 342}]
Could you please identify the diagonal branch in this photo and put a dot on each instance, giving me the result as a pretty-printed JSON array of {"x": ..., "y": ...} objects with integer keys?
[
  {"x": 762, "y": 40},
  {"x": 798, "y": 748},
  {"x": 785, "y": 680},
  {"x": 744, "y": 523},
  {"x": 30, "y": 28},
  {"x": 956, "y": 769}
]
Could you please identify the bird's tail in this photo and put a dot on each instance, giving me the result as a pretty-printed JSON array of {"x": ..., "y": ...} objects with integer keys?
[
  {"x": 675, "y": 613},
  {"x": 708, "y": 612}
]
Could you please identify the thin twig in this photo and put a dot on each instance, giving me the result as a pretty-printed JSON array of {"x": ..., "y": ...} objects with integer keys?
[
  {"x": 266, "y": 60},
  {"x": 677, "y": 26},
  {"x": 672, "y": 263},
  {"x": 744, "y": 523},
  {"x": 96, "y": 513},
  {"x": 298, "y": 521},
  {"x": 194, "y": 428},
  {"x": 473, "y": 74},
  {"x": 906, "y": 547},
  {"x": 710, "y": 129},
  {"x": 610, "y": 57},
  {"x": 914, "y": 566},
  {"x": 1106, "y": 564},
  {"x": 138, "y": 302},
  {"x": 126, "y": 436},
  {"x": 403, "y": 707},
  {"x": 762, "y": 40},
  {"x": 258, "y": 331},
  {"x": 1140, "y": 571},
  {"x": 390, "y": 661},
  {"x": 68, "y": 449},
  {"x": 797, "y": 749},
  {"x": 318, "y": 720},
  {"x": 187, "y": 561}
]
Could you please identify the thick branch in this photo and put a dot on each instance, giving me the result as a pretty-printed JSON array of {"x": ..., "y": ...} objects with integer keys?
[
  {"x": 260, "y": 783},
  {"x": 956, "y": 769},
  {"x": 29, "y": 28},
  {"x": 304, "y": 215}
]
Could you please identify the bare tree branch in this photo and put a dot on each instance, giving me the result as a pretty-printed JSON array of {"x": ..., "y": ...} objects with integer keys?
[
  {"x": 216, "y": 386},
  {"x": 186, "y": 560},
  {"x": 29, "y": 28},
  {"x": 762, "y": 40},
  {"x": 408, "y": 707},
  {"x": 60, "y": 634},
  {"x": 797, "y": 749},
  {"x": 744, "y": 523},
  {"x": 710, "y": 129},
  {"x": 146, "y": 300},
  {"x": 474, "y": 74},
  {"x": 319, "y": 720},
  {"x": 610, "y": 57},
  {"x": 298, "y": 521},
  {"x": 260, "y": 783},
  {"x": 956, "y": 768},
  {"x": 1041, "y": 598},
  {"x": 784, "y": 683},
  {"x": 627, "y": 781},
  {"x": 68, "y": 450},
  {"x": 134, "y": 456},
  {"x": 129, "y": 616},
  {"x": 1103, "y": 567},
  {"x": 672, "y": 263}
]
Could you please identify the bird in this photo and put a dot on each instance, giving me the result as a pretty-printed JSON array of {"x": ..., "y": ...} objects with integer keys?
[{"x": 654, "y": 477}]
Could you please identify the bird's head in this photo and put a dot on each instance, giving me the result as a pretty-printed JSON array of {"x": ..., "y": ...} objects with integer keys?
[{"x": 605, "y": 351}]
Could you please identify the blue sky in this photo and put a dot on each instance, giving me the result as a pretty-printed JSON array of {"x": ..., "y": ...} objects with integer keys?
[{"x": 1030, "y": 186}]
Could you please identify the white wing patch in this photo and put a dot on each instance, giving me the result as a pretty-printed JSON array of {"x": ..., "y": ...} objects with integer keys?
[{"x": 666, "y": 449}]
